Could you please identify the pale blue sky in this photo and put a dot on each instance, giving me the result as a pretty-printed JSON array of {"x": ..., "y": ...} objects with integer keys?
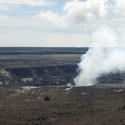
[{"x": 57, "y": 22}]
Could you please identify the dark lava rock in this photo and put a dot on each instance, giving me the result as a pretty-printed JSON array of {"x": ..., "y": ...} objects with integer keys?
[{"x": 46, "y": 98}]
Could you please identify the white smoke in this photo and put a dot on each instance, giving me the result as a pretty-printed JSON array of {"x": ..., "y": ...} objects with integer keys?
[{"x": 102, "y": 58}]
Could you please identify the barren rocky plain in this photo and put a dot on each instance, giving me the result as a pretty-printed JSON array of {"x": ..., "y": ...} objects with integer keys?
[{"x": 34, "y": 91}]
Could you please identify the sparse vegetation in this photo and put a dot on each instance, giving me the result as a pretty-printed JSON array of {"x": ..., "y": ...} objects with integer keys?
[{"x": 97, "y": 107}]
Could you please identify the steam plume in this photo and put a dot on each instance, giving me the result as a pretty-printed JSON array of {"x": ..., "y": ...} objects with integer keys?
[{"x": 103, "y": 57}]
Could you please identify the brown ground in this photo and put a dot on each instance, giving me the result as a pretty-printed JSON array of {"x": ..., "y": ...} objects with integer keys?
[{"x": 98, "y": 105}]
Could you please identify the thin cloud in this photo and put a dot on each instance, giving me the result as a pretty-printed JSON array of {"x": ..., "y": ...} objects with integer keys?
[{"x": 9, "y": 3}]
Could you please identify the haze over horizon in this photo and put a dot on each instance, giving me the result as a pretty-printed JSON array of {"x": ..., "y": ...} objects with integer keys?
[{"x": 58, "y": 23}]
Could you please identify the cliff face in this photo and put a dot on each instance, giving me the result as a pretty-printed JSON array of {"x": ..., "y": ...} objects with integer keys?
[
  {"x": 112, "y": 78},
  {"x": 50, "y": 75},
  {"x": 7, "y": 78}
]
